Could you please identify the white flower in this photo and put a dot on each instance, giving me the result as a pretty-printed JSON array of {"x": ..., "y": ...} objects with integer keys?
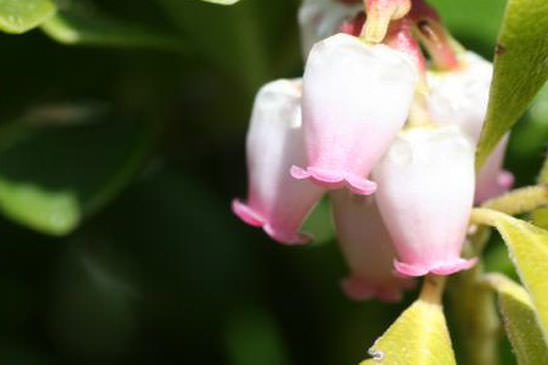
[
  {"x": 425, "y": 196},
  {"x": 276, "y": 201}
]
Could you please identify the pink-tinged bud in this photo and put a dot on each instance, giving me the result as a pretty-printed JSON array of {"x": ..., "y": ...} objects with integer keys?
[
  {"x": 368, "y": 249},
  {"x": 460, "y": 97},
  {"x": 319, "y": 19},
  {"x": 425, "y": 196},
  {"x": 492, "y": 180},
  {"x": 356, "y": 98},
  {"x": 277, "y": 202},
  {"x": 379, "y": 15}
]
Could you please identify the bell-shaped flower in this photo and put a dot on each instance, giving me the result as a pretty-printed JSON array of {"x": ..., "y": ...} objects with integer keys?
[
  {"x": 277, "y": 202},
  {"x": 425, "y": 196},
  {"x": 356, "y": 98},
  {"x": 460, "y": 97},
  {"x": 367, "y": 248},
  {"x": 319, "y": 19}
]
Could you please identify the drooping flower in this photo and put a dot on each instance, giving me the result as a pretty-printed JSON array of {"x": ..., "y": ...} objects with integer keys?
[
  {"x": 367, "y": 248},
  {"x": 277, "y": 202},
  {"x": 425, "y": 196},
  {"x": 319, "y": 19},
  {"x": 460, "y": 97},
  {"x": 356, "y": 98}
]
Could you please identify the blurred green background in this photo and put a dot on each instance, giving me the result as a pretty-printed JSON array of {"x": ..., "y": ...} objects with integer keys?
[{"x": 119, "y": 156}]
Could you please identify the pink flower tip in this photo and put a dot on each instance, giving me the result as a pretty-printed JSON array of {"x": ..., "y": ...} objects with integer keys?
[
  {"x": 438, "y": 268},
  {"x": 505, "y": 179},
  {"x": 333, "y": 179},
  {"x": 253, "y": 218},
  {"x": 359, "y": 290}
]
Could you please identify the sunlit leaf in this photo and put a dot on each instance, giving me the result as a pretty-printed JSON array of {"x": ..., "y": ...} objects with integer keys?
[
  {"x": 520, "y": 321},
  {"x": 419, "y": 336},
  {"x": 50, "y": 178},
  {"x": 540, "y": 218},
  {"x": 94, "y": 30},
  {"x": 19, "y": 16},
  {"x": 521, "y": 68},
  {"x": 528, "y": 248}
]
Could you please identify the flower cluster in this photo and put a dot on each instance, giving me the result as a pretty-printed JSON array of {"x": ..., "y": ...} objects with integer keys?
[{"x": 387, "y": 135}]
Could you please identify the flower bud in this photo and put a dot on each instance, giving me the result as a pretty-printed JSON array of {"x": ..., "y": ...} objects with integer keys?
[
  {"x": 356, "y": 98},
  {"x": 460, "y": 97},
  {"x": 492, "y": 179},
  {"x": 367, "y": 247},
  {"x": 425, "y": 196},
  {"x": 277, "y": 202},
  {"x": 319, "y": 19}
]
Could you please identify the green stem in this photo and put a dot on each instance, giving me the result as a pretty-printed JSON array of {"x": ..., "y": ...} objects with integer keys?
[
  {"x": 519, "y": 201},
  {"x": 476, "y": 318},
  {"x": 432, "y": 289}
]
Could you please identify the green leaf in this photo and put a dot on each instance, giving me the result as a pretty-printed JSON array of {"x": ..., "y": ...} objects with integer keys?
[
  {"x": 419, "y": 336},
  {"x": 520, "y": 321},
  {"x": 222, "y": 2},
  {"x": 540, "y": 218},
  {"x": 96, "y": 30},
  {"x": 532, "y": 133},
  {"x": 230, "y": 38},
  {"x": 472, "y": 19},
  {"x": 521, "y": 68},
  {"x": 543, "y": 176},
  {"x": 19, "y": 16},
  {"x": 319, "y": 224},
  {"x": 50, "y": 178},
  {"x": 252, "y": 335},
  {"x": 528, "y": 248}
]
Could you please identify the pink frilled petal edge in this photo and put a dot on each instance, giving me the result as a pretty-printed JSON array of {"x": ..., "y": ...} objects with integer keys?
[
  {"x": 360, "y": 290},
  {"x": 255, "y": 219},
  {"x": 444, "y": 268},
  {"x": 505, "y": 179},
  {"x": 333, "y": 179}
]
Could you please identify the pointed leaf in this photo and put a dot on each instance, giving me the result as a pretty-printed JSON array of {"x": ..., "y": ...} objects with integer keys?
[
  {"x": 79, "y": 29},
  {"x": 419, "y": 336},
  {"x": 521, "y": 68},
  {"x": 19, "y": 16},
  {"x": 528, "y": 248},
  {"x": 50, "y": 178},
  {"x": 520, "y": 321}
]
